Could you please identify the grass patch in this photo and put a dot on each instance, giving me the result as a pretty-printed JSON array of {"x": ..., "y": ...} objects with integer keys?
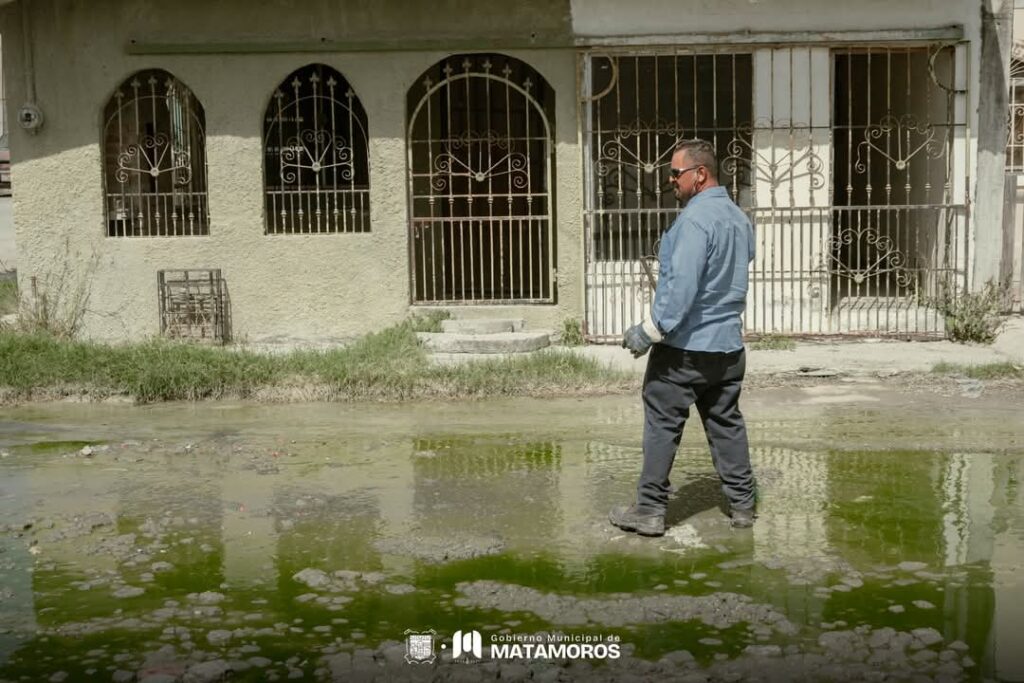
[
  {"x": 985, "y": 371},
  {"x": 388, "y": 365},
  {"x": 974, "y": 316},
  {"x": 572, "y": 333},
  {"x": 773, "y": 342},
  {"x": 8, "y": 297},
  {"x": 429, "y": 321}
]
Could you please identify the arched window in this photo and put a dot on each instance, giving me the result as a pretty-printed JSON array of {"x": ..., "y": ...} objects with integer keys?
[
  {"x": 154, "y": 159},
  {"x": 315, "y": 166},
  {"x": 480, "y": 182}
]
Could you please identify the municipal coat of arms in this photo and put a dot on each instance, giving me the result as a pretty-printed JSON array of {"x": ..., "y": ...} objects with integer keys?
[{"x": 419, "y": 646}]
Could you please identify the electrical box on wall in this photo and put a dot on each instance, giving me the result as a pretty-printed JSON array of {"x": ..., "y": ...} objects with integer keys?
[{"x": 30, "y": 117}]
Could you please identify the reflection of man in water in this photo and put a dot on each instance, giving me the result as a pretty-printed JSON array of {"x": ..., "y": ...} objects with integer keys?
[{"x": 696, "y": 334}]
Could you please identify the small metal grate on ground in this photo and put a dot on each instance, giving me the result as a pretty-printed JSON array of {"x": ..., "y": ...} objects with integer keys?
[{"x": 193, "y": 305}]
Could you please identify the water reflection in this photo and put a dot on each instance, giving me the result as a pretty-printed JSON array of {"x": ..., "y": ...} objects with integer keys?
[{"x": 241, "y": 513}]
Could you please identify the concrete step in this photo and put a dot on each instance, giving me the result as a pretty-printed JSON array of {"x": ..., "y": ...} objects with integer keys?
[
  {"x": 502, "y": 342},
  {"x": 482, "y": 325}
]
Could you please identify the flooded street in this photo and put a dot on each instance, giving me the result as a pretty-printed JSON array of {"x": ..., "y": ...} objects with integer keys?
[{"x": 303, "y": 541}]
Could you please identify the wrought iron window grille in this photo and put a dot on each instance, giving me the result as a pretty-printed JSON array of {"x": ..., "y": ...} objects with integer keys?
[
  {"x": 154, "y": 151},
  {"x": 316, "y": 161}
]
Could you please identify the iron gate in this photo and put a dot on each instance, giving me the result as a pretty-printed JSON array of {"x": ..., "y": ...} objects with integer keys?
[
  {"x": 480, "y": 178},
  {"x": 851, "y": 163},
  {"x": 1013, "y": 262}
]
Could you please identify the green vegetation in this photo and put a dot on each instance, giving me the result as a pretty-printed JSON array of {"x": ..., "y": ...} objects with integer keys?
[
  {"x": 572, "y": 333},
  {"x": 389, "y": 365},
  {"x": 773, "y": 342},
  {"x": 986, "y": 371},
  {"x": 974, "y": 316},
  {"x": 429, "y": 322},
  {"x": 8, "y": 297}
]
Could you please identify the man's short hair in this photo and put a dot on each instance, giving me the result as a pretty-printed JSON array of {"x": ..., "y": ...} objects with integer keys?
[{"x": 700, "y": 152}]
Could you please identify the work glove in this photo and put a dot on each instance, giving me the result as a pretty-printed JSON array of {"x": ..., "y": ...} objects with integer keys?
[{"x": 637, "y": 340}]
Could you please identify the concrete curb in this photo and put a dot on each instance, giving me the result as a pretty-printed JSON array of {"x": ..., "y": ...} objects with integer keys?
[{"x": 870, "y": 357}]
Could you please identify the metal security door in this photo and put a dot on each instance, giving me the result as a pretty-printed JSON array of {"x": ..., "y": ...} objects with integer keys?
[
  {"x": 851, "y": 163},
  {"x": 636, "y": 107},
  {"x": 898, "y": 245},
  {"x": 480, "y": 179}
]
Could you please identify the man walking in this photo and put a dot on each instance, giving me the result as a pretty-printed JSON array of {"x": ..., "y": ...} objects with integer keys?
[{"x": 695, "y": 337}]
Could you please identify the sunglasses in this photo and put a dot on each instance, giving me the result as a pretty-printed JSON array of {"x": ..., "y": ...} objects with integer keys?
[{"x": 674, "y": 173}]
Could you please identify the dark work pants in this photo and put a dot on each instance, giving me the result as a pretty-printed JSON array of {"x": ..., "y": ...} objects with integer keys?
[{"x": 675, "y": 380}]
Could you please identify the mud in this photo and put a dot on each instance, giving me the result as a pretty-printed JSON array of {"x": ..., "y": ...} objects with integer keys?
[{"x": 203, "y": 542}]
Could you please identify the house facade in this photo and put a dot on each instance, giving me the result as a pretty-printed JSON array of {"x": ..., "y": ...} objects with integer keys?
[{"x": 320, "y": 170}]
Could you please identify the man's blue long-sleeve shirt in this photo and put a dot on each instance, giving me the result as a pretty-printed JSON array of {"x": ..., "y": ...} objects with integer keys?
[{"x": 702, "y": 276}]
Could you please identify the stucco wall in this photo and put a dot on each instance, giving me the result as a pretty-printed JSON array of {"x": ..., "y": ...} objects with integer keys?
[
  {"x": 659, "y": 17},
  {"x": 294, "y": 286},
  {"x": 232, "y": 57}
]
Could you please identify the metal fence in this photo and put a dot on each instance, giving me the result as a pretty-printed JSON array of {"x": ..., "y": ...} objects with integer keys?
[
  {"x": 851, "y": 163},
  {"x": 1014, "y": 203}
]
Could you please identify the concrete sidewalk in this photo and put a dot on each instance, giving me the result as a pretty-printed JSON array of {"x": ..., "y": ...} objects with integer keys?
[{"x": 869, "y": 357}]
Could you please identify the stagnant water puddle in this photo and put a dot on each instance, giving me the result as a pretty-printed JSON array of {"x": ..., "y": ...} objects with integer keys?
[{"x": 310, "y": 542}]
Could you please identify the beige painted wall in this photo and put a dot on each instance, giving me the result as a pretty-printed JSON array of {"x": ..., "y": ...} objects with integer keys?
[
  {"x": 613, "y": 17},
  {"x": 295, "y": 287},
  {"x": 316, "y": 287}
]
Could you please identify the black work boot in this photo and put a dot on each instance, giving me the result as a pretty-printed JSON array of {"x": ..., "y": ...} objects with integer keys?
[
  {"x": 742, "y": 518},
  {"x": 628, "y": 518}
]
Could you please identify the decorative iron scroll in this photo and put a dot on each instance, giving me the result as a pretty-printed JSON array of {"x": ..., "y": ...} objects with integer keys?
[
  {"x": 309, "y": 150},
  {"x": 154, "y": 159},
  {"x": 457, "y": 160},
  {"x": 148, "y": 157},
  {"x": 644, "y": 156},
  {"x": 886, "y": 258},
  {"x": 745, "y": 162},
  {"x": 911, "y": 138}
]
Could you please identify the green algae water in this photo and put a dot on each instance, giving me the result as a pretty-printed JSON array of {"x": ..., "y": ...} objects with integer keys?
[{"x": 307, "y": 542}]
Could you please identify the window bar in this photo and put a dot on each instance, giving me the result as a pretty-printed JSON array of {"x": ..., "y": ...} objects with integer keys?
[
  {"x": 449, "y": 134},
  {"x": 278, "y": 220},
  {"x": 137, "y": 199},
  {"x": 174, "y": 107},
  {"x": 337, "y": 220},
  {"x": 846, "y": 216},
  {"x": 313, "y": 197},
  {"x": 619, "y": 197},
  {"x": 421, "y": 244},
  {"x": 294, "y": 196},
  {"x": 124, "y": 211},
  {"x": 768, "y": 261},
  {"x": 789, "y": 235},
  {"x": 178, "y": 137},
  {"x": 599, "y": 225},
  {"x": 803, "y": 267},
  {"x": 528, "y": 222},
  {"x": 470, "y": 216}
]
